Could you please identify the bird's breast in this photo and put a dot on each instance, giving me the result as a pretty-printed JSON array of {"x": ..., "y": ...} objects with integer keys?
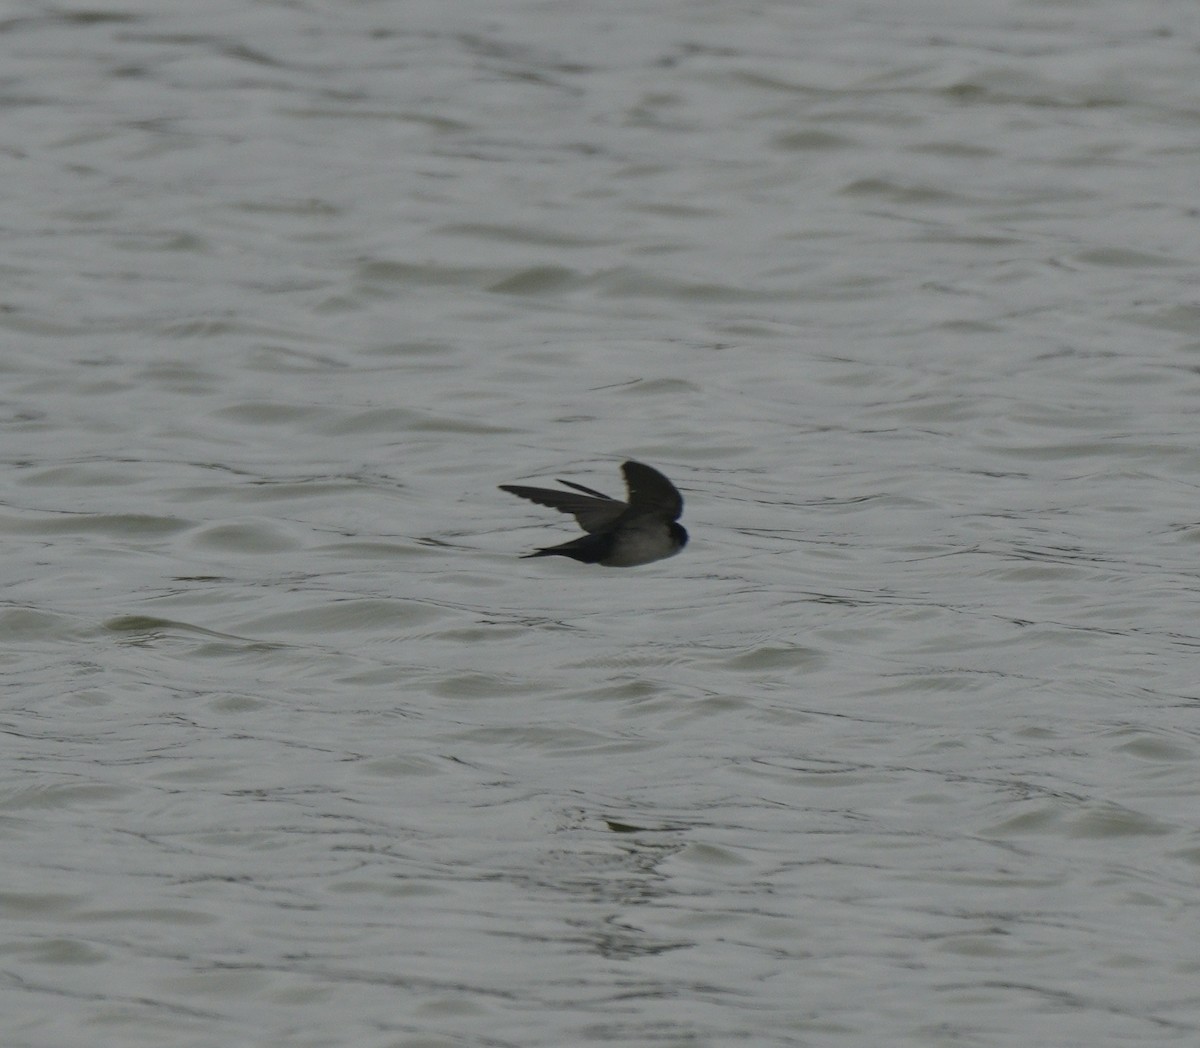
[{"x": 641, "y": 542}]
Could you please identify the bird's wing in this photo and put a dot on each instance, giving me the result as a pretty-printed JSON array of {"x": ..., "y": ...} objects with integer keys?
[
  {"x": 586, "y": 491},
  {"x": 593, "y": 513},
  {"x": 651, "y": 492}
]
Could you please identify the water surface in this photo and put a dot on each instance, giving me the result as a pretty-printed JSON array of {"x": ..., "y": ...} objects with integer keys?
[{"x": 900, "y": 751}]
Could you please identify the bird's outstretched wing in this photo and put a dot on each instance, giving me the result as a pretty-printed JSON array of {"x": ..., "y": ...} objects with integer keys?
[
  {"x": 650, "y": 491},
  {"x": 594, "y": 511},
  {"x": 586, "y": 491}
]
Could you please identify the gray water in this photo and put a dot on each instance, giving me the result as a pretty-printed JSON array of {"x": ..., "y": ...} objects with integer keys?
[{"x": 902, "y": 750}]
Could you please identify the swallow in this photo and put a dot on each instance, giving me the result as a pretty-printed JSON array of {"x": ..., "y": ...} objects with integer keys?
[{"x": 619, "y": 534}]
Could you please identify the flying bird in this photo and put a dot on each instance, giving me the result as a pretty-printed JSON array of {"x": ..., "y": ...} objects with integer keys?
[{"x": 619, "y": 534}]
